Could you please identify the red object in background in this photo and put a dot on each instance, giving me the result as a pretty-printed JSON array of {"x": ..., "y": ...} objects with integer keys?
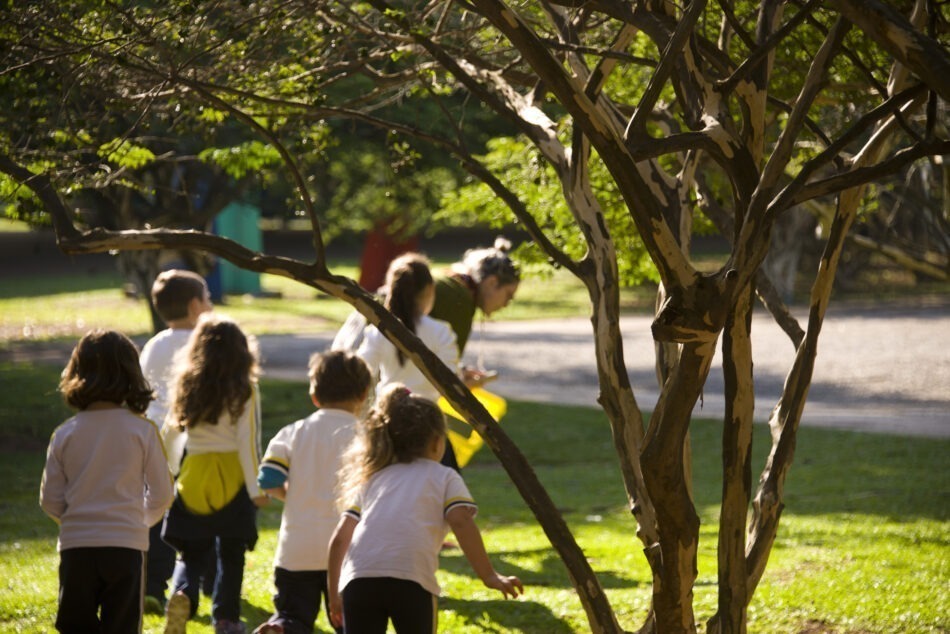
[{"x": 379, "y": 249}]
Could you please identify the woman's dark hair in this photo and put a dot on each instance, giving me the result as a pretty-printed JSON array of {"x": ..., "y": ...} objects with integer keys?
[
  {"x": 104, "y": 366},
  {"x": 338, "y": 376},
  {"x": 215, "y": 373},
  {"x": 494, "y": 260},
  {"x": 407, "y": 276}
]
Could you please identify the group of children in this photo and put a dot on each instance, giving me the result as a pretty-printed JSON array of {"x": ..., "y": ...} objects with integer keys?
[{"x": 165, "y": 451}]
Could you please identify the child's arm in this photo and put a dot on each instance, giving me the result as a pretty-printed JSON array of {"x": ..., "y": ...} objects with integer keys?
[
  {"x": 462, "y": 521},
  {"x": 53, "y": 485},
  {"x": 278, "y": 493},
  {"x": 161, "y": 487},
  {"x": 339, "y": 544}
]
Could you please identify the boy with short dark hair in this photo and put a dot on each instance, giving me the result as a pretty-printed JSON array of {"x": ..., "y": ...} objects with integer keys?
[
  {"x": 300, "y": 467},
  {"x": 179, "y": 297}
]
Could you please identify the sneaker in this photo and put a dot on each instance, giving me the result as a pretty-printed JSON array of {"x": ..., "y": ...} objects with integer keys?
[
  {"x": 177, "y": 613},
  {"x": 269, "y": 628},
  {"x": 225, "y": 626},
  {"x": 154, "y": 605}
]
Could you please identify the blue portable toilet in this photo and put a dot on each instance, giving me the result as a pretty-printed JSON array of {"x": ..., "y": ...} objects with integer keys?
[{"x": 240, "y": 222}]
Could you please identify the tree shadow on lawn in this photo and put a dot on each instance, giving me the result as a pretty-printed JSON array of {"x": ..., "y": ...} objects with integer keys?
[{"x": 506, "y": 616}]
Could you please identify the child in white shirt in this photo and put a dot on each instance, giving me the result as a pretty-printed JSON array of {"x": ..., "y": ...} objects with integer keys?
[
  {"x": 179, "y": 298},
  {"x": 385, "y": 549},
  {"x": 300, "y": 467},
  {"x": 214, "y": 515}
]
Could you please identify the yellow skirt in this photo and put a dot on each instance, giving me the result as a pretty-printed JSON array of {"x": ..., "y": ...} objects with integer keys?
[{"x": 208, "y": 481}]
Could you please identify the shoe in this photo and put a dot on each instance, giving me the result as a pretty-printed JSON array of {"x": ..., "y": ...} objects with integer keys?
[
  {"x": 269, "y": 628},
  {"x": 225, "y": 626},
  {"x": 177, "y": 613},
  {"x": 154, "y": 605}
]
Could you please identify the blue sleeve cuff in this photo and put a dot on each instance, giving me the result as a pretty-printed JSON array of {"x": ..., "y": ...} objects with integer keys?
[{"x": 269, "y": 477}]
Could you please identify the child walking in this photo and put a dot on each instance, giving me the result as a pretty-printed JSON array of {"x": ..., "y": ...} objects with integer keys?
[
  {"x": 300, "y": 467},
  {"x": 214, "y": 515},
  {"x": 105, "y": 482},
  {"x": 384, "y": 551},
  {"x": 410, "y": 293},
  {"x": 179, "y": 297}
]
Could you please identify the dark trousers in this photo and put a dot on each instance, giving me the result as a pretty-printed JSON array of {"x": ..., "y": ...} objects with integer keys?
[
  {"x": 110, "y": 579},
  {"x": 370, "y": 602},
  {"x": 297, "y": 599},
  {"x": 159, "y": 564},
  {"x": 196, "y": 555}
]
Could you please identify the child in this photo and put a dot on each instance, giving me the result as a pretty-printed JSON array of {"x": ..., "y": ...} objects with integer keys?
[
  {"x": 179, "y": 297},
  {"x": 385, "y": 549},
  {"x": 214, "y": 514},
  {"x": 410, "y": 292},
  {"x": 300, "y": 467},
  {"x": 105, "y": 482}
]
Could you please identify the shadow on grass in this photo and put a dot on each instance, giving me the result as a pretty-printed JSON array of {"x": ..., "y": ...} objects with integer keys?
[{"x": 506, "y": 616}]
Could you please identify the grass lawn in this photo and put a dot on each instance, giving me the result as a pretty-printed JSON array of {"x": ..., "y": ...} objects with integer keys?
[
  {"x": 863, "y": 545},
  {"x": 66, "y": 306}
]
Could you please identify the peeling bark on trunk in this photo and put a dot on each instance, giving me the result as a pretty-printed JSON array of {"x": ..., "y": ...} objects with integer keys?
[
  {"x": 736, "y": 470},
  {"x": 663, "y": 470}
]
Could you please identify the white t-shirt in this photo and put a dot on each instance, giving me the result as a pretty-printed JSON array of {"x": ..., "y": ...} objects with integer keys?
[
  {"x": 401, "y": 522},
  {"x": 157, "y": 361},
  {"x": 242, "y": 436},
  {"x": 158, "y": 364},
  {"x": 309, "y": 451},
  {"x": 382, "y": 358}
]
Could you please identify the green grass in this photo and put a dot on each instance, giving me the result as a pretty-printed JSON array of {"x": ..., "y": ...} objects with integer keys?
[
  {"x": 65, "y": 306},
  {"x": 862, "y": 548}
]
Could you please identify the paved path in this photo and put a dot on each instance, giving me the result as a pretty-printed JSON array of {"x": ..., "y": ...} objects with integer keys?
[{"x": 881, "y": 370}]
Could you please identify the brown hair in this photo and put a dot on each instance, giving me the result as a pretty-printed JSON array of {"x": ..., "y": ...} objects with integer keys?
[
  {"x": 407, "y": 276},
  {"x": 104, "y": 366},
  {"x": 494, "y": 260},
  {"x": 338, "y": 376},
  {"x": 398, "y": 429},
  {"x": 215, "y": 373},
  {"x": 173, "y": 290}
]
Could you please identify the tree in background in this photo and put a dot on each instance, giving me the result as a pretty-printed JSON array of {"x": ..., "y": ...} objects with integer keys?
[{"x": 647, "y": 119}]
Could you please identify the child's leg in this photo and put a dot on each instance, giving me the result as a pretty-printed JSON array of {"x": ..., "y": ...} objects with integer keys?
[
  {"x": 363, "y": 606},
  {"x": 78, "y": 588},
  {"x": 195, "y": 555},
  {"x": 412, "y": 608},
  {"x": 160, "y": 564},
  {"x": 122, "y": 571},
  {"x": 226, "y": 600},
  {"x": 297, "y": 599}
]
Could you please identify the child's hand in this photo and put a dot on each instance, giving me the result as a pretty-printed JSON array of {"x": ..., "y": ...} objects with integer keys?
[
  {"x": 336, "y": 610},
  {"x": 261, "y": 501},
  {"x": 505, "y": 585}
]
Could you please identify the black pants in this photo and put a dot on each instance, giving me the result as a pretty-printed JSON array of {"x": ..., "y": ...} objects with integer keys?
[
  {"x": 160, "y": 564},
  {"x": 297, "y": 599},
  {"x": 110, "y": 579},
  {"x": 369, "y": 603}
]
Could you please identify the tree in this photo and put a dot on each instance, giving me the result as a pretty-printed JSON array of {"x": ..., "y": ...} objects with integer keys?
[{"x": 644, "y": 116}]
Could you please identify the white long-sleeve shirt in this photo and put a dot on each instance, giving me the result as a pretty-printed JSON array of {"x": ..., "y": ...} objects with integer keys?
[
  {"x": 242, "y": 436},
  {"x": 106, "y": 480},
  {"x": 381, "y": 356}
]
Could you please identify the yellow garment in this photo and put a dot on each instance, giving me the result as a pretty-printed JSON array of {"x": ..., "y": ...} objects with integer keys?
[
  {"x": 464, "y": 445},
  {"x": 209, "y": 481}
]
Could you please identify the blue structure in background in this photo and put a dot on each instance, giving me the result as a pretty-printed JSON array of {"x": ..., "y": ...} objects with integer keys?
[{"x": 239, "y": 222}]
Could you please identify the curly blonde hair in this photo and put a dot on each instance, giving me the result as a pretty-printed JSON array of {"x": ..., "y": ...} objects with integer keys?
[
  {"x": 215, "y": 373},
  {"x": 399, "y": 428}
]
